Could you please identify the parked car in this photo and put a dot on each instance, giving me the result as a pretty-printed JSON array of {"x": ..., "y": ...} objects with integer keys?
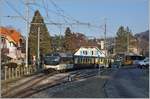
[
  {"x": 117, "y": 63},
  {"x": 143, "y": 63}
]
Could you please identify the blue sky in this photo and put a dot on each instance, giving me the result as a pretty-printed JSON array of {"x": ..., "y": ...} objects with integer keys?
[{"x": 132, "y": 13}]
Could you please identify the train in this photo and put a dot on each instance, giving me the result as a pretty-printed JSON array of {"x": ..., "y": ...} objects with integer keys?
[
  {"x": 67, "y": 61},
  {"x": 58, "y": 61}
]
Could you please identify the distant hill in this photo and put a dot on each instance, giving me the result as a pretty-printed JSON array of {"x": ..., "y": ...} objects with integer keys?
[
  {"x": 143, "y": 44},
  {"x": 143, "y": 35}
]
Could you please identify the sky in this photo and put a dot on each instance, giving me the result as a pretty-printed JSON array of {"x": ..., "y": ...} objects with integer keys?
[{"x": 115, "y": 13}]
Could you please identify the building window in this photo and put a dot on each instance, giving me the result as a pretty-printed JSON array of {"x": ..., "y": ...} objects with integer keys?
[
  {"x": 3, "y": 40},
  {"x": 92, "y": 52},
  {"x": 80, "y": 52},
  {"x": 96, "y": 52},
  {"x": 85, "y": 52},
  {"x": 10, "y": 44}
]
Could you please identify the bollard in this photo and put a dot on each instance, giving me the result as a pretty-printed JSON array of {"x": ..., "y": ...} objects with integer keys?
[
  {"x": 69, "y": 78},
  {"x": 5, "y": 72}
]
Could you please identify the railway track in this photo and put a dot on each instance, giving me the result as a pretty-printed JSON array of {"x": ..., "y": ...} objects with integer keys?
[
  {"x": 44, "y": 82},
  {"x": 25, "y": 86}
]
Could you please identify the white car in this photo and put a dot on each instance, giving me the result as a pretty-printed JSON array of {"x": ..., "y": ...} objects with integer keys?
[{"x": 143, "y": 63}]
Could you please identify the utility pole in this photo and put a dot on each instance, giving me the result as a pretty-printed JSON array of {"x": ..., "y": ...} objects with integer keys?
[
  {"x": 105, "y": 49},
  {"x": 0, "y": 31},
  {"x": 27, "y": 27},
  {"x": 114, "y": 52},
  {"x": 128, "y": 41},
  {"x": 60, "y": 45},
  {"x": 38, "y": 47}
]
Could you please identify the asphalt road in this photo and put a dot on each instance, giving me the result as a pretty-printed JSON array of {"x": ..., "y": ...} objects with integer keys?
[
  {"x": 114, "y": 83},
  {"x": 128, "y": 83},
  {"x": 87, "y": 83}
]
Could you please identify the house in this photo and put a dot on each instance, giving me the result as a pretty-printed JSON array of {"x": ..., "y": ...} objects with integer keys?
[
  {"x": 89, "y": 55},
  {"x": 11, "y": 43}
]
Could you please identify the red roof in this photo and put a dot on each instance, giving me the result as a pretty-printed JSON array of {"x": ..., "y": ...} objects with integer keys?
[{"x": 12, "y": 33}]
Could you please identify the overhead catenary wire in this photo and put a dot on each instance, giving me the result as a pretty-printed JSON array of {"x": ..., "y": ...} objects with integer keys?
[
  {"x": 60, "y": 9},
  {"x": 14, "y": 9},
  {"x": 54, "y": 23},
  {"x": 76, "y": 22}
]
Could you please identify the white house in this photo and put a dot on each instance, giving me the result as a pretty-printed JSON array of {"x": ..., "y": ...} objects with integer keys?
[
  {"x": 89, "y": 51},
  {"x": 89, "y": 55}
]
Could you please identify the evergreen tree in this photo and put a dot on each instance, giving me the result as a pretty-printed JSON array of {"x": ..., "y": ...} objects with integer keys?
[
  {"x": 125, "y": 41},
  {"x": 68, "y": 41},
  {"x": 57, "y": 43},
  {"x": 45, "y": 40},
  {"x": 121, "y": 40}
]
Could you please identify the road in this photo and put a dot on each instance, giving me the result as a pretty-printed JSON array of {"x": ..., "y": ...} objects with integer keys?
[
  {"x": 87, "y": 83},
  {"x": 28, "y": 86},
  {"x": 115, "y": 83},
  {"x": 128, "y": 83}
]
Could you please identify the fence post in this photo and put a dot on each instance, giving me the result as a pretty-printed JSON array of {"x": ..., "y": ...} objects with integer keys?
[
  {"x": 5, "y": 72},
  {"x": 34, "y": 68},
  {"x": 16, "y": 73},
  {"x": 24, "y": 70},
  {"x": 12, "y": 73},
  {"x": 29, "y": 69},
  {"x": 21, "y": 71},
  {"x": 9, "y": 73}
]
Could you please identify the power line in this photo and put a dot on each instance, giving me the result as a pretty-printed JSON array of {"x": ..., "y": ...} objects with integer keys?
[
  {"x": 55, "y": 23},
  {"x": 60, "y": 9},
  {"x": 11, "y": 6}
]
